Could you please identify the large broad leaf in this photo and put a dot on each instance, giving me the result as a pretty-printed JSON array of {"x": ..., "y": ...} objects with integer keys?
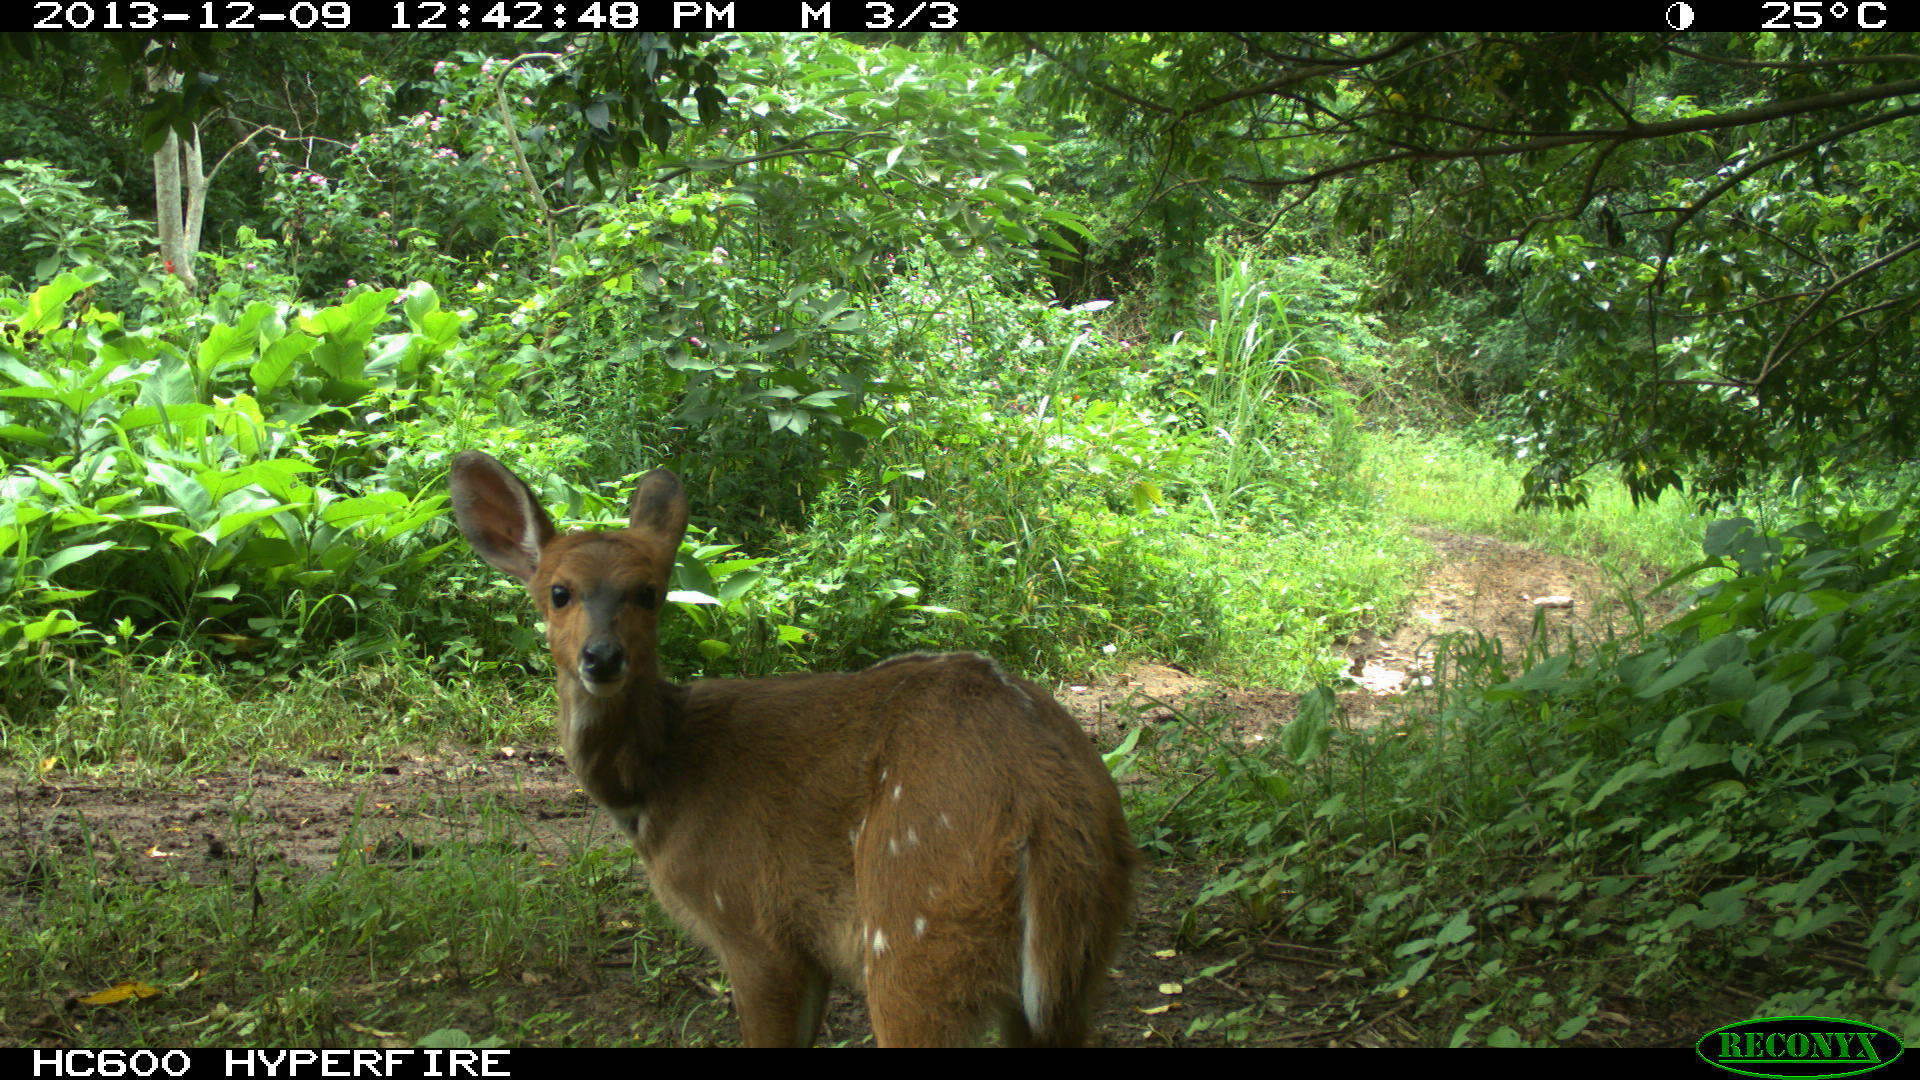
[
  {"x": 52, "y": 624},
  {"x": 241, "y": 420},
  {"x": 47, "y": 307},
  {"x": 417, "y": 515},
  {"x": 422, "y": 309},
  {"x": 146, "y": 416},
  {"x": 276, "y": 476},
  {"x": 277, "y": 362},
  {"x": 225, "y": 347},
  {"x": 185, "y": 492},
  {"x": 12, "y": 368},
  {"x": 172, "y": 384},
  {"x": 25, "y": 434},
  {"x": 344, "y": 360},
  {"x": 343, "y": 513},
  {"x": 357, "y": 318},
  {"x": 240, "y": 520}
]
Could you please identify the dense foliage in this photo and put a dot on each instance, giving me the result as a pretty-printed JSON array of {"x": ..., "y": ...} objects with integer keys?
[
  {"x": 1076, "y": 348},
  {"x": 1708, "y": 803},
  {"x": 1686, "y": 256}
]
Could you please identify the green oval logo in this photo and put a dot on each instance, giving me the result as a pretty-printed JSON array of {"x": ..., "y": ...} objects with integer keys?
[{"x": 1800, "y": 1047}]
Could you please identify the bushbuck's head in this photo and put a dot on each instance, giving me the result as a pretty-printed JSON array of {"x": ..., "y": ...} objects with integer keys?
[{"x": 600, "y": 592}]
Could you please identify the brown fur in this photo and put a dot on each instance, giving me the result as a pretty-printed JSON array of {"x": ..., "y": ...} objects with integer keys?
[{"x": 931, "y": 828}]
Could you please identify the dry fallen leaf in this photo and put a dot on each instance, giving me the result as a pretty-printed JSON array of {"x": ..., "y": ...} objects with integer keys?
[
  {"x": 119, "y": 992},
  {"x": 375, "y": 1032}
]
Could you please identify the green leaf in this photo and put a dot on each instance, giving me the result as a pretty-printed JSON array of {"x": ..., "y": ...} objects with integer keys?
[
  {"x": 172, "y": 384},
  {"x": 1675, "y": 735},
  {"x": 47, "y": 306},
  {"x": 1764, "y": 708},
  {"x": 229, "y": 524},
  {"x": 1458, "y": 928},
  {"x": 25, "y": 434},
  {"x": 68, "y": 556},
  {"x": 1684, "y": 670},
  {"x": 342, "y": 513},
  {"x": 186, "y": 492},
  {"x": 224, "y": 347},
  {"x": 52, "y": 624},
  {"x": 1310, "y": 731},
  {"x": 277, "y": 361}
]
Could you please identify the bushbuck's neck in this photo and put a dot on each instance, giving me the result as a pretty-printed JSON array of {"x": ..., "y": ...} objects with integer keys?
[{"x": 619, "y": 746}]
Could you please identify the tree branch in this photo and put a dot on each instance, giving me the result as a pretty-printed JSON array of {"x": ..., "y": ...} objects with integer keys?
[
  {"x": 1780, "y": 353},
  {"x": 1632, "y": 131}
]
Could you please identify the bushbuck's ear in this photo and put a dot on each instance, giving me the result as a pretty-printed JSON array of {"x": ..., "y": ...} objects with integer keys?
[
  {"x": 498, "y": 514},
  {"x": 660, "y": 507}
]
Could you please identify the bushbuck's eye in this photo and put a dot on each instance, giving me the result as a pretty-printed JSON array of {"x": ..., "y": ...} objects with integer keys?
[
  {"x": 560, "y": 596},
  {"x": 646, "y": 597}
]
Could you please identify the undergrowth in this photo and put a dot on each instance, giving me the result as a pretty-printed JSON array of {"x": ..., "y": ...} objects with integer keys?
[{"x": 1730, "y": 803}]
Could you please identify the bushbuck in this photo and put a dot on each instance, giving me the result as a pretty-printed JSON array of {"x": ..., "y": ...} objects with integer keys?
[{"x": 933, "y": 828}]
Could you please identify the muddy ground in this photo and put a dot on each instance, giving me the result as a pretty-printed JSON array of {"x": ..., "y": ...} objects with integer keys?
[{"x": 1476, "y": 583}]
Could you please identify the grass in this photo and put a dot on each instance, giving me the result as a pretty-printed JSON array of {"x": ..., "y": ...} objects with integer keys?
[
  {"x": 1445, "y": 480},
  {"x": 165, "y": 719},
  {"x": 401, "y": 935},
  {"x": 1286, "y": 595}
]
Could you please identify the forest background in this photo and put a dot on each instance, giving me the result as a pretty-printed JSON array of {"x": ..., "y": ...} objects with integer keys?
[{"x": 1085, "y": 350}]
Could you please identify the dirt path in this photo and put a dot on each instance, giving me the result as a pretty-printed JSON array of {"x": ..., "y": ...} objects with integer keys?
[
  {"x": 1477, "y": 584},
  {"x": 296, "y": 819}
]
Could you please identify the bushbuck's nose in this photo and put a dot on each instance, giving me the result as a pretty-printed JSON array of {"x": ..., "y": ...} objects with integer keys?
[{"x": 602, "y": 661}]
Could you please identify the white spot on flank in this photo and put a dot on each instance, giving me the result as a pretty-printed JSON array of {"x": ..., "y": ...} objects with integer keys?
[
  {"x": 718, "y": 903},
  {"x": 912, "y": 838},
  {"x": 893, "y": 845},
  {"x": 896, "y": 793},
  {"x": 883, "y": 774},
  {"x": 919, "y": 925},
  {"x": 879, "y": 942},
  {"x": 945, "y": 820}
]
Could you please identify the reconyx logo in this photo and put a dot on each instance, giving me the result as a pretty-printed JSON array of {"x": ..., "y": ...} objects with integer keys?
[{"x": 1800, "y": 1047}]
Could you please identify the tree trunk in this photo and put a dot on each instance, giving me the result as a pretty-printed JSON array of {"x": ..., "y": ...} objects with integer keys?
[{"x": 176, "y": 164}]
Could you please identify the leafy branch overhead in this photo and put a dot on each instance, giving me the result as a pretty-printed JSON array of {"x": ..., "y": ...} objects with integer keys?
[{"x": 1708, "y": 234}]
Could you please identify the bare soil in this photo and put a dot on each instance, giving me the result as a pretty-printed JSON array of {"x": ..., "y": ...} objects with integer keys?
[
  {"x": 299, "y": 817},
  {"x": 1476, "y": 584}
]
